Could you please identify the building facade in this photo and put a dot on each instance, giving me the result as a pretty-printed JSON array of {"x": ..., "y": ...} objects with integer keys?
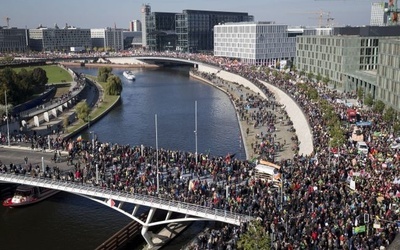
[
  {"x": 388, "y": 73},
  {"x": 133, "y": 40},
  {"x": 261, "y": 43},
  {"x": 366, "y": 61},
  {"x": 336, "y": 56},
  {"x": 135, "y": 25},
  {"x": 160, "y": 31},
  {"x": 59, "y": 39},
  {"x": 195, "y": 28},
  {"x": 378, "y": 14},
  {"x": 13, "y": 40},
  {"x": 146, "y": 10},
  {"x": 108, "y": 39}
]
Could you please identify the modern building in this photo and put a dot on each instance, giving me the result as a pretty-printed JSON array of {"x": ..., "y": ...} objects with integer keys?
[
  {"x": 135, "y": 25},
  {"x": 59, "y": 39},
  {"x": 107, "y": 39},
  {"x": 378, "y": 14},
  {"x": 132, "y": 40},
  {"x": 160, "y": 31},
  {"x": 13, "y": 40},
  {"x": 195, "y": 28},
  {"x": 351, "y": 61},
  {"x": 146, "y": 10},
  {"x": 388, "y": 73},
  {"x": 261, "y": 43},
  {"x": 189, "y": 31}
]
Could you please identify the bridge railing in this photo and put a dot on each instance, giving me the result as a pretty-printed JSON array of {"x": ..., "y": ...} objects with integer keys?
[{"x": 140, "y": 199}]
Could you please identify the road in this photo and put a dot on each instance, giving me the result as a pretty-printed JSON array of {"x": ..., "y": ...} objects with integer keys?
[{"x": 16, "y": 155}]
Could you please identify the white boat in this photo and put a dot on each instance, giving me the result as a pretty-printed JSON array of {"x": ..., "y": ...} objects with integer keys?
[
  {"x": 129, "y": 75},
  {"x": 27, "y": 195}
]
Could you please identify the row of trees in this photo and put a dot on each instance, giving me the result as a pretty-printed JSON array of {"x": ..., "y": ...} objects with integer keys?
[
  {"x": 113, "y": 87},
  {"x": 113, "y": 82},
  {"x": 21, "y": 86}
]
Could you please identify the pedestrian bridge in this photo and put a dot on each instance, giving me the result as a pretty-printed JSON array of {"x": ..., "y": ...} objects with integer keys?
[{"x": 116, "y": 199}]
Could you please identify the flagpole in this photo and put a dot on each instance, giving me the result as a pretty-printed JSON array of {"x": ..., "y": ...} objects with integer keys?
[
  {"x": 195, "y": 127},
  {"x": 8, "y": 126},
  {"x": 158, "y": 181}
]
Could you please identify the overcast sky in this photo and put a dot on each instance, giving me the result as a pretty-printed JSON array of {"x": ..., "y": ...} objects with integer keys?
[{"x": 102, "y": 13}]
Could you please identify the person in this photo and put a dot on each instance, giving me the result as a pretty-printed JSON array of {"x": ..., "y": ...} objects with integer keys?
[{"x": 26, "y": 159}]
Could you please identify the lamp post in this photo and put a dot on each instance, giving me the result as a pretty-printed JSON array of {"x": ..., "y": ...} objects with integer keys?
[
  {"x": 8, "y": 127},
  {"x": 158, "y": 181},
  {"x": 195, "y": 128},
  {"x": 97, "y": 166}
]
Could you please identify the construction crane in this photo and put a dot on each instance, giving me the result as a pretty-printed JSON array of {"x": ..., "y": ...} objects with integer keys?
[
  {"x": 320, "y": 16},
  {"x": 8, "y": 21}
]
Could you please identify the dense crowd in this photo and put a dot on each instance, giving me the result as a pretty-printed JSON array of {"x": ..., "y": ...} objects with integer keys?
[{"x": 315, "y": 208}]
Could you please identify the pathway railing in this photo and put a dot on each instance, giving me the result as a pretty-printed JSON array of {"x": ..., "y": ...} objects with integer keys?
[{"x": 139, "y": 199}]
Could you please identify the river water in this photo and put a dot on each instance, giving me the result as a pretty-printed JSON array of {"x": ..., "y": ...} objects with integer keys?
[{"x": 67, "y": 221}]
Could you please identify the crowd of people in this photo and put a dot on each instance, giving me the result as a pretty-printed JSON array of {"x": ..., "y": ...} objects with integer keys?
[{"x": 315, "y": 206}]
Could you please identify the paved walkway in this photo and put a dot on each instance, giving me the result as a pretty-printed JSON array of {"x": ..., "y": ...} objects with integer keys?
[
  {"x": 300, "y": 122},
  {"x": 253, "y": 138}
]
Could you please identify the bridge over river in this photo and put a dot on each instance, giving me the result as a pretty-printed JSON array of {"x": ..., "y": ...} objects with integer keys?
[{"x": 116, "y": 199}]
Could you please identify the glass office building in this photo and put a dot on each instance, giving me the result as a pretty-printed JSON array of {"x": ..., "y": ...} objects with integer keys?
[
  {"x": 160, "y": 31},
  {"x": 13, "y": 40},
  {"x": 195, "y": 28}
]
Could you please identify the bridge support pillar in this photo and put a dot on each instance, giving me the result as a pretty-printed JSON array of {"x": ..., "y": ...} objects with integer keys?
[
  {"x": 135, "y": 209},
  {"x": 146, "y": 235},
  {"x": 168, "y": 215}
]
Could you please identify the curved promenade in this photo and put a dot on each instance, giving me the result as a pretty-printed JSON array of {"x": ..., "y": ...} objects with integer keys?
[
  {"x": 298, "y": 118},
  {"x": 295, "y": 113}
]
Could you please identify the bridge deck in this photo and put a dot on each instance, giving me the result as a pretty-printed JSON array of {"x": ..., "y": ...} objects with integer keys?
[{"x": 138, "y": 199}]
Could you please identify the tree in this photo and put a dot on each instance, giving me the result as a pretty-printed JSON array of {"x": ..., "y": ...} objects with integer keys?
[
  {"x": 267, "y": 71},
  {"x": 389, "y": 115},
  {"x": 337, "y": 135},
  {"x": 302, "y": 73},
  {"x": 326, "y": 80},
  {"x": 293, "y": 68},
  {"x": 379, "y": 106},
  {"x": 396, "y": 127},
  {"x": 310, "y": 76},
  {"x": 255, "y": 237},
  {"x": 360, "y": 93},
  {"x": 318, "y": 77},
  {"x": 82, "y": 111},
  {"x": 40, "y": 79},
  {"x": 104, "y": 73},
  {"x": 287, "y": 76},
  {"x": 369, "y": 100},
  {"x": 114, "y": 85}
]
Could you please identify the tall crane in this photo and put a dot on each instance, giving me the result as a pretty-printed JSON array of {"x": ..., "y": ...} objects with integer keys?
[
  {"x": 392, "y": 11},
  {"x": 320, "y": 16}
]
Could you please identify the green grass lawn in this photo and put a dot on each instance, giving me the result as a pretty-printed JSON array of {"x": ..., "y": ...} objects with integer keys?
[{"x": 55, "y": 73}]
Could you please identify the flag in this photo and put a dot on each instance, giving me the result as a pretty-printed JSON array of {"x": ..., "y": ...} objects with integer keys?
[{"x": 111, "y": 202}]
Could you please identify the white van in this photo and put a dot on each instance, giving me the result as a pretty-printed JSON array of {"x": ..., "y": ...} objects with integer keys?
[{"x": 362, "y": 147}]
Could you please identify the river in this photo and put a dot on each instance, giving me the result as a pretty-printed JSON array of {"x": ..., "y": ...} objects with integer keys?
[{"x": 67, "y": 221}]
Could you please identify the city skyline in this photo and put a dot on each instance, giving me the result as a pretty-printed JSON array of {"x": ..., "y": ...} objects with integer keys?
[{"x": 101, "y": 14}]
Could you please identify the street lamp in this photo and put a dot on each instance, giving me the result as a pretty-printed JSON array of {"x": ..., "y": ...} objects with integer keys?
[
  {"x": 97, "y": 166},
  {"x": 8, "y": 127},
  {"x": 195, "y": 128},
  {"x": 158, "y": 181}
]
